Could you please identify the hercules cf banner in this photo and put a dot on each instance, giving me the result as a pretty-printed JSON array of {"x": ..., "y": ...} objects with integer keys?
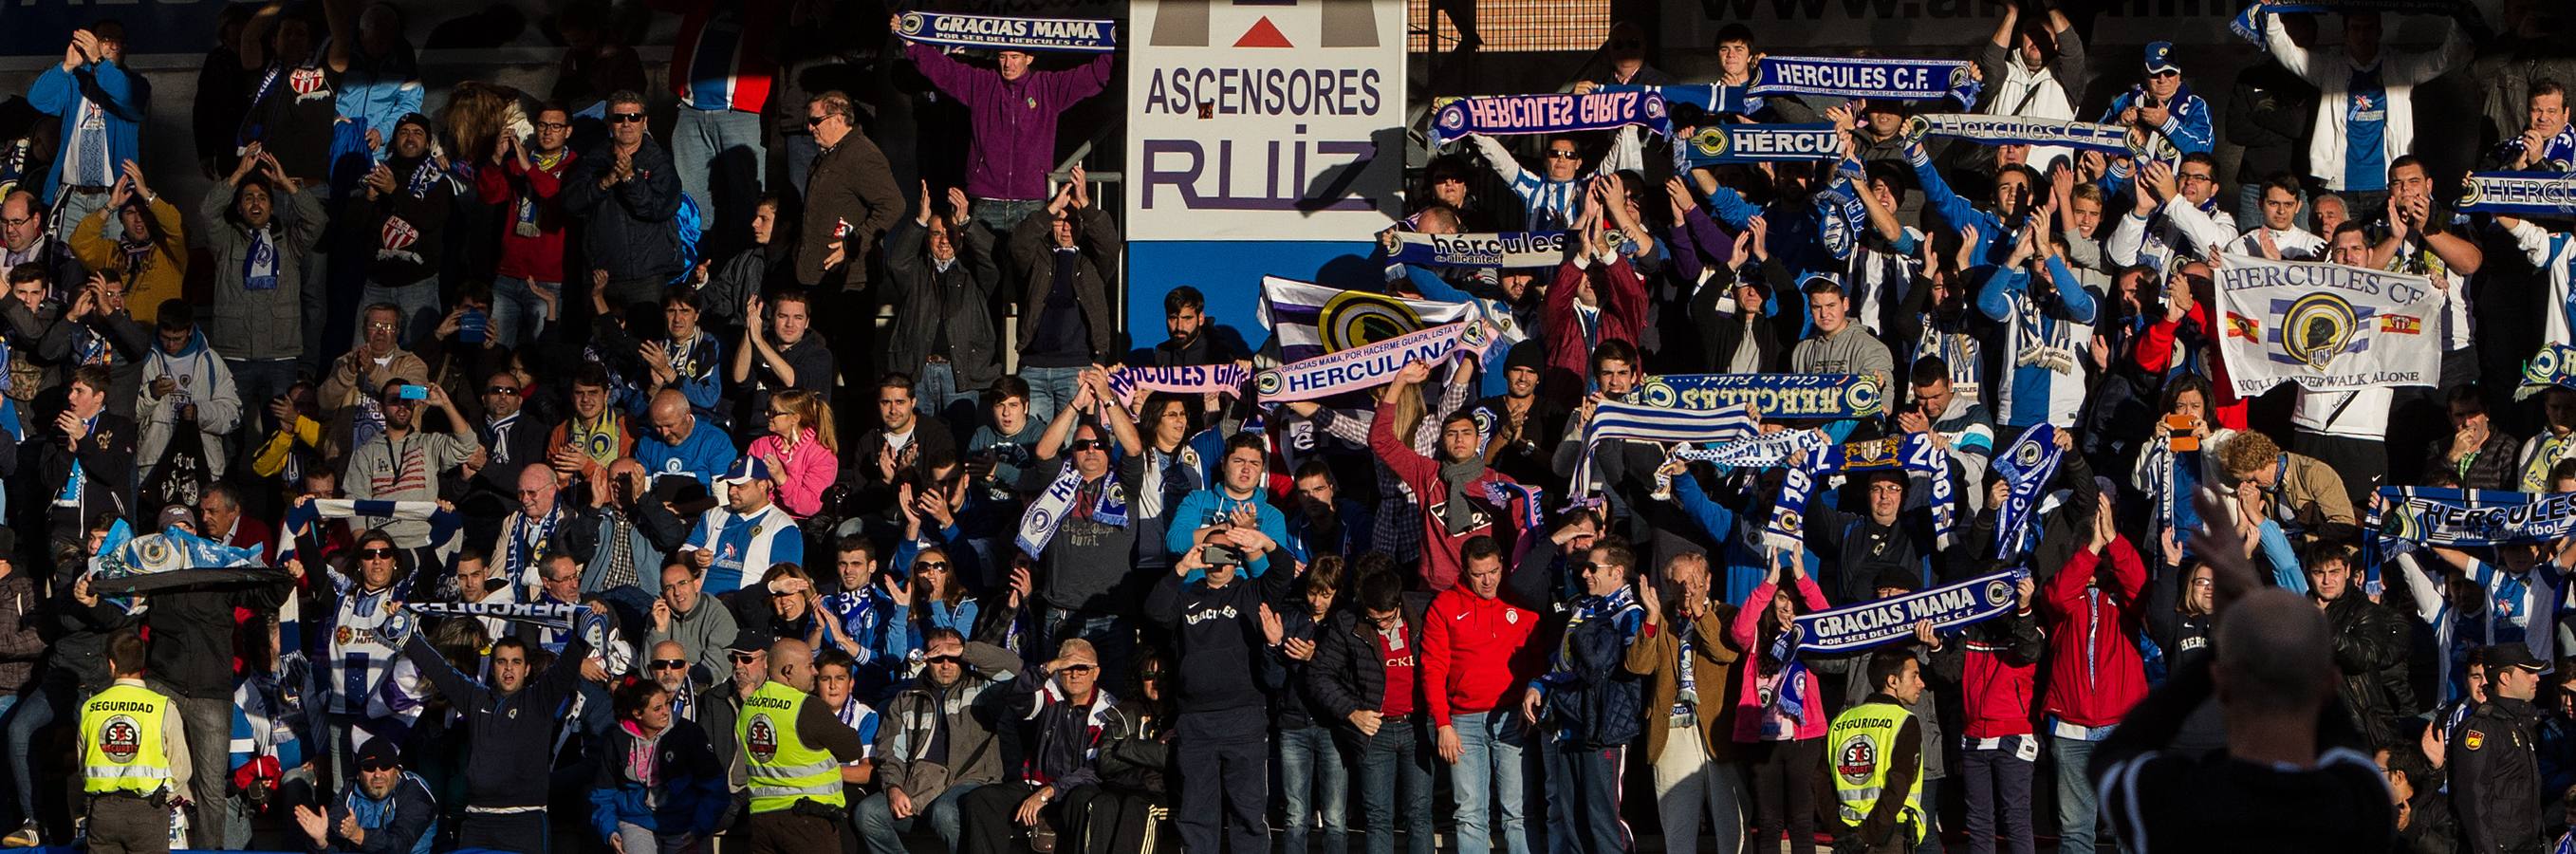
[
  {"x": 1226, "y": 379},
  {"x": 1006, "y": 32},
  {"x": 2000, "y": 130},
  {"x": 1310, "y": 319},
  {"x": 2327, "y": 327},
  {"x": 1370, "y": 366},
  {"x": 1715, "y": 144},
  {"x": 2518, "y": 193},
  {"x": 1554, "y": 112},
  {"x": 1855, "y": 77},
  {"x": 2554, "y": 365},
  {"x": 1857, "y": 627},
  {"x": 1483, "y": 249},
  {"x": 1818, "y": 396},
  {"x": 2463, "y": 518}
]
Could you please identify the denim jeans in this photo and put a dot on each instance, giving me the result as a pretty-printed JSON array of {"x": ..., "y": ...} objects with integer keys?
[
  {"x": 708, "y": 143},
  {"x": 1002, "y": 215},
  {"x": 1312, "y": 780},
  {"x": 2077, "y": 809},
  {"x": 935, "y": 392},
  {"x": 1586, "y": 782},
  {"x": 45, "y": 703},
  {"x": 638, "y": 839},
  {"x": 418, "y": 302},
  {"x": 1049, "y": 388},
  {"x": 518, "y": 314},
  {"x": 1688, "y": 786},
  {"x": 1398, "y": 757},
  {"x": 1112, "y": 637},
  {"x": 1998, "y": 782},
  {"x": 209, "y": 727},
  {"x": 1488, "y": 775},
  {"x": 879, "y": 829}
]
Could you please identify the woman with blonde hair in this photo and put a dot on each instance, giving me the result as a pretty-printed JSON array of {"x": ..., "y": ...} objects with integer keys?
[{"x": 800, "y": 448}]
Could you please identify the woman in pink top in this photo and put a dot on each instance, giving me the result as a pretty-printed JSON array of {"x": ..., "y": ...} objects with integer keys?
[
  {"x": 807, "y": 458},
  {"x": 1788, "y": 738}
]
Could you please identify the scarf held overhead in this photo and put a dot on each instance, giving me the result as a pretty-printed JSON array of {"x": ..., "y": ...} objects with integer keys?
[
  {"x": 1816, "y": 396},
  {"x": 1637, "y": 422},
  {"x": 2554, "y": 365},
  {"x": 1371, "y": 365},
  {"x": 1852, "y": 628},
  {"x": 1551, "y": 113},
  {"x": 2017, "y": 130},
  {"x": 1007, "y": 32},
  {"x": 2027, "y": 467},
  {"x": 1226, "y": 379},
  {"x": 1854, "y": 77},
  {"x": 1716, "y": 144},
  {"x": 1483, "y": 249},
  {"x": 2518, "y": 193}
]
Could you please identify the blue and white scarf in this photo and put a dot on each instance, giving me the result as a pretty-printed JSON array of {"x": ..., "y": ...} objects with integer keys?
[
  {"x": 2026, "y": 468},
  {"x": 557, "y": 617},
  {"x": 2019, "y": 130},
  {"x": 1913, "y": 453},
  {"x": 1551, "y": 113},
  {"x": 1776, "y": 396},
  {"x": 1486, "y": 249},
  {"x": 1715, "y": 144},
  {"x": 1008, "y": 32},
  {"x": 1856, "y": 627},
  {"x": 2551, "y": 193},
  {"x": 1226, "y": 379},
  {"x": 1635, "y": 422},
  {"x": 2249, "y": 24},
  {"x": 1877, "y": 79},
  {"x": 1049, "y": 510}
]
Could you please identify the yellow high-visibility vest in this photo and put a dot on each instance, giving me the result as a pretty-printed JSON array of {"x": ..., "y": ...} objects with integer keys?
[
  {"x": 121, "y": 745},
  {"x": 1862, "y": 738},
  {"x": 783, "y": 768}
]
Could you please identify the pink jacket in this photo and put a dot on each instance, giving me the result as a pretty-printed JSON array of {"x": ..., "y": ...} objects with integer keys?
[
  {"x": 809, "y": 469},
  {"x": 1748, "y": 702}
]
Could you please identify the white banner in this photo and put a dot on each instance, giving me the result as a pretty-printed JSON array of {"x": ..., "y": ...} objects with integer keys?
[
  {"x": 1782, "y": 24},
  {"x": 1272, "y": 121},
  {"x": 2327, "y": 327}
]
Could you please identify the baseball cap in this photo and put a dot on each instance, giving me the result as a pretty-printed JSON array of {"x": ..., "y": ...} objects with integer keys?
[
  {"x": 378, "y": 754},
  {"x": 2505, "y": 655},
  {"x": 1896, "y": 578},
  {"x": 748, "y": 639},
  {"x": 2160, "y": 58},
  {"x": 746, "y": 470},
  {"x": 176, "y": 514}
]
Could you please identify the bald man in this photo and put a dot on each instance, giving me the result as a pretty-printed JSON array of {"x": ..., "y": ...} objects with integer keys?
[
  {"x": 782, "y": 725},
  {"x": 23, "y": 241},
  {"x": 680, "y": 444},
  {"x": 541, "y": 526},
  {"x": 2293, "y": 775}
]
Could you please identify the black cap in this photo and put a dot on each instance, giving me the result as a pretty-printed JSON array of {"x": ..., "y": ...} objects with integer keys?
[
  {"x": 1896, "y": 578},
  {"x": 1526, "y": 354},
  {"x": 378, "y": 754},
  {"x": 749, "y": 639},
  {"x": 2505, "y": 655}
]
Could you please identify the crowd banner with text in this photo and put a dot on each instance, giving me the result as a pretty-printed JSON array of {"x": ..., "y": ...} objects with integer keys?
[
  {"x": 2554, "y": 366},
  {"x": 1481, "y": 249},
  {"x": 1548, "y": 113},
  {"x": 2545, "y": 193},
  {"x": 2327, "y": 327},
  {"x": 2017, "y": 130},
  {"x": 1371, "y": 365},
  {"x": 1776, "y": 396},
  {"x": 1226, "y": 379},
  {"x": 1856, "y": 627},
  {"x": 1724, "y": 143},
  {"x": 1009, "y": 32},
  {"x": 1870, "y": 77},
  {"x": 2408, "y": 516}
]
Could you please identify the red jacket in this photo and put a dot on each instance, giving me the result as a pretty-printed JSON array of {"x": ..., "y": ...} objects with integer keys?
[
  {"x": 1998, "y": 686},
  {"x": 2154, "y": 353},
  {"x": 1622, "y": 298},
  {"x": 2094, "y": 674},
  {"x": 535, "y": 257},
  {"x": 1468, "y": 642},
  {"x": 1440, "y": 549}
]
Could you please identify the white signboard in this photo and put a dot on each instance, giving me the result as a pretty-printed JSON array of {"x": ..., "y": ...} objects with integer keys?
[{"x": 1264, "y": 119}]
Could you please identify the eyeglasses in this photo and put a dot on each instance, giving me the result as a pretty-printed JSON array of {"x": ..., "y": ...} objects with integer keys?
[
  {"x": 779, "y": 413},
  {"x": 623, "y": 118},
  {"x": 376, "y": 554},
  {"x": 383, "y": 327},
  {"x": 670, "y": 663},
  {"x": 944, "y": 659},
  {"x": 501, "y": 389},
  {"x": 931, "y": 565},
  {"x": 2189, "y": 177},
  {"x": 18, "y": 222},
  {"x": 1562, "y": 154}
]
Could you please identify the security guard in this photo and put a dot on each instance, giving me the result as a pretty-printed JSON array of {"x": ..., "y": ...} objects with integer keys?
[
  {"x": 793, "y": 749},
  {"x": 134, "y": 757},
  {"x": 2495, "y": 762},
  {"x": 1877, "y": 758}
]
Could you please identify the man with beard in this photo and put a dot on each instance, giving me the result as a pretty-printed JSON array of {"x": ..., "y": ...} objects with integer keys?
[
  {"x": 402, "y": 463},
  {"x": 936, "y": 746},
  {"x": 408, "y": 202},
  {"x": 1524, "y": 426},
  {"x": 1461, "y": 499},
  {"x": 2370, "y": 643}
]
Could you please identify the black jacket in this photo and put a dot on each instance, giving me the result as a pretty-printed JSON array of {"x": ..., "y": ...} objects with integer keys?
[
  {"x": 956, "y": 302},
  {"x": 626, "y": 229},
  {"x": 513, "y": 734},
  {"x": 1225, "y": 665},
  {"x": 106, "y": 458},
  {"x": 2270, "y": 112},
  {"x": 2495, "y": 777},
  {"x": 1347, "y": 674},
  {"x": 192, "y": 631},
  {"x": 2370, "y": 645},
  {"x": 1032, "y": 253}
]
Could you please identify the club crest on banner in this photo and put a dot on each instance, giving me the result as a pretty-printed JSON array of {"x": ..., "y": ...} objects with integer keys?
[
  {"x": 2316, "y": 328},
  {"x": 1355, "y": 318},
  {"x": 1710, "y": 141}
]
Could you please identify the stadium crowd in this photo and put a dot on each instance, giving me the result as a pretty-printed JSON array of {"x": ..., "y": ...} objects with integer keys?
[{"x": 594, "y": 470}]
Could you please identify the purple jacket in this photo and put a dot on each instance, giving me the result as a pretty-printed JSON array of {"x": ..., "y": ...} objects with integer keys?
[{"x": 1014, "y": 139}]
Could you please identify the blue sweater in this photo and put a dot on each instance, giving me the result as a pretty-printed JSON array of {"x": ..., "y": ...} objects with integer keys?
[
  {"x": 704, "y": 455},
  {"x": 1209, "y": 506}
]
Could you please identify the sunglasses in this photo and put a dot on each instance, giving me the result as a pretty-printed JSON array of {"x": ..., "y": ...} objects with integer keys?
[
  {"x": 624, "y": 118},
  {"x": 377, "y": 766},
  {"x": 1089, "y": 445},
  {"x": 1150, "y": 674},
  {"x": 932, "y": 565},
  {"x": 1079, "y": 668},
  {"x": 669, "y": 664},
  {"x": 815, "y": 121},
  {"x": 744, "y": 657},
  {"x": 1555, "y": 154},
  {"x": 944, "y": 659},
  {"x": 553, "y": 126},
  {"x": 501, "y": 389},
  {"x": 376, "y": 554}
]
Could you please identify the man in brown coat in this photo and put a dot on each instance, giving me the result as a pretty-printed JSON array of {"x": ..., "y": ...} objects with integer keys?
[{"x": 1690, "y": 719}]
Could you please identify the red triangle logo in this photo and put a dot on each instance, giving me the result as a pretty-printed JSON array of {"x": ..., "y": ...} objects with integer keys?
[{"x": 1263, "y": 34}]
